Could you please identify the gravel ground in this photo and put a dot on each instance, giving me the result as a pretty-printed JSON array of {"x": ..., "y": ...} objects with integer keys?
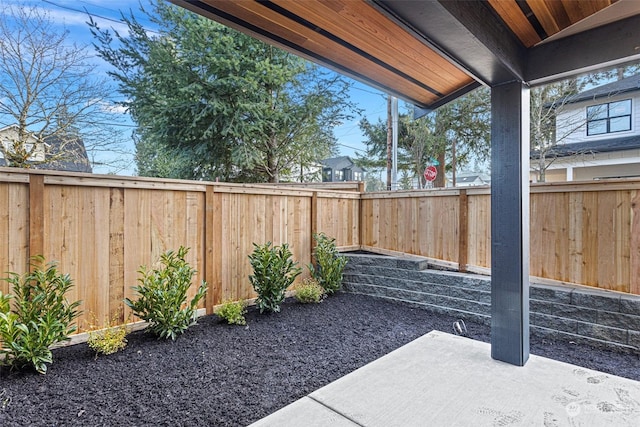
[{"x": 222, "y": 375}]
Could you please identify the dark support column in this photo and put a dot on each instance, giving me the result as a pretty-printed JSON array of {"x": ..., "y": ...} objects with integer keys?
[{"x": 510, "y": 223}]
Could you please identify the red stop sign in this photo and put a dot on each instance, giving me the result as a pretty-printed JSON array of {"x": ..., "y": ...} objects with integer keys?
[{"x": 430, "y": 173}]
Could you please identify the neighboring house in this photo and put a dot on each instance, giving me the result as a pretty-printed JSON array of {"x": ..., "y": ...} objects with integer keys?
[
  {"x": 469, "y": 180},
  {"x": 8, "y": 136},
  {"x": 341, "y": 169},
  {"x": 606, "y": 140},
  {"x": 70, "y": 156}
]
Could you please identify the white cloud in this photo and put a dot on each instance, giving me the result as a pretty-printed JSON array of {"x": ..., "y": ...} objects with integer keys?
[{"x": 114, "y": 109}]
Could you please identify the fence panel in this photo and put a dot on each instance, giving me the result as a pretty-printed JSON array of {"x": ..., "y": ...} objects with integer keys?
[
  {"x": 254, "y": 215},
  {"x": 14, "y": 229},
  {"x": 587, "y": 233},
  {"x": 479, "y": 227},
  {"x": 338, "y": 216},
  {"x": 422, "y": 223}
]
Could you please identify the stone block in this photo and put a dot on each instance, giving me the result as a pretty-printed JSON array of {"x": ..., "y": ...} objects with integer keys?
[
  {"x": 596, "y": 300},
  {"x": 634, "y": 339},
  {"x": 582, "y": 314},
  {"x": 477, "y": 282},
  {"x": 466, "y": 305},
  {"x": 604, "y": 333},
  {"x": 412, "y": 264},
  {"x": 619, "y": 320},
  {"x": 550, "y": 293},
  {"x": 557, "y": 323},
  {"x": 543, "y": 307},
  {"x": 471, "y": 294},
  {"x": 630, "y": 304},
  {"x": 354, "y": 261}
]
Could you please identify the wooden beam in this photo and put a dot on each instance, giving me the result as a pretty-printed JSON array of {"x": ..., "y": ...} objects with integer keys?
[{"x": 510, "y": 223}]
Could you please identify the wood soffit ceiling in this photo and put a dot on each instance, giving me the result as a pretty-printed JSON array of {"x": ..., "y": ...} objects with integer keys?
[{"x": 365, "y": 40}]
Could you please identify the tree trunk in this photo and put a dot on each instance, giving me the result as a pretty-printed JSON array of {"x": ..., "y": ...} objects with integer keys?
[
  {"x": 439, "y": 182},
  {"x": 453, "y": 164}
]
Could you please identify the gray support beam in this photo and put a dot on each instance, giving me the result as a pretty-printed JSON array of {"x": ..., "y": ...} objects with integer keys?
[
  {"x": 510, "y": 223},
  {"x": 606, "y": 46}
]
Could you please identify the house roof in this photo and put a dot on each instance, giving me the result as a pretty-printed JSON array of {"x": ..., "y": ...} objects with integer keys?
[
  {"x": 596, "y": 146},
  {"x": 73, "y": 155},
  {"x": 342, "y": 162},
  {"x": 469, "y": 178},
  {"x": 629, "y": 84},
  {"x": 430, "y": 52}
]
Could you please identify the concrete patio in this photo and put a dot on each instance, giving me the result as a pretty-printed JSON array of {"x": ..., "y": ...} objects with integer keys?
[{"x": 446, "y": 380}]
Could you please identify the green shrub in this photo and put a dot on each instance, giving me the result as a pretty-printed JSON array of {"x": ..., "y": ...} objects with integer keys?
[
  {"x": 329, "y": 265},
  {"x": 108, "y": 340},
  {"x": 273, "y": 273},
  {"x": 309, "y": 291},
  {"x": 233, "y": 312},
  {"x": 41, "y": 316},
  {"x": 163, "y": 295}
]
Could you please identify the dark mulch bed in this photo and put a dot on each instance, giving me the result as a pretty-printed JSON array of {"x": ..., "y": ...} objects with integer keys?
[{"x": 216, "y": 374}]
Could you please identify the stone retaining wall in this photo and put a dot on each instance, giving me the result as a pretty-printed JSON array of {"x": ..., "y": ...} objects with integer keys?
[{"x": 577, "y": 313}]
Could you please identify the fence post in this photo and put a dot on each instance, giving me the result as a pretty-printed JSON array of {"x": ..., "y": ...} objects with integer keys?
[
  {"x": 314, "y": 222},
  {"x": 463, "y": 231},
  {"x": 36, "y": 215},
  {"x": 361, "y": 219},
  {"x": 212, "y": 232},
  {"x": 634, "y": 244}
]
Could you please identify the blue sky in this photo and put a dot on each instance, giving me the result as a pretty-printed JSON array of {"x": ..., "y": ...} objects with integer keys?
[{"x": 73, "y": 15}]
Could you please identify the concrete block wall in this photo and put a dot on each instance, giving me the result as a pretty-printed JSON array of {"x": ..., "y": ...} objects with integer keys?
[{"x": 576, "y": 313}]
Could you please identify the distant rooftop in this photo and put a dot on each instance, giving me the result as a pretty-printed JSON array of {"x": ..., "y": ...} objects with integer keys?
[
  {"x": 597, "y": 146},
  {"x": 629, "y": 84}
]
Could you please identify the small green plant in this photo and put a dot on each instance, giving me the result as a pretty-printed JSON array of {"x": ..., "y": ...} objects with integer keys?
[
  {"x": 109, "y": 339},
  {"x": 273, "y": 272},
  {"x": 309, "y": 291},
  {"x": 163, "y": 295},
  {"x": 41, "y": 316},
  {"x": 329, "y": 264},
  {"x": 233, "y": 312}
]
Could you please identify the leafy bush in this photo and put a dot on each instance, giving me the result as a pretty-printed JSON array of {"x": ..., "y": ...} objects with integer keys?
[
  {"x": 163, "y": 295},
  {"x": 41, "y": 316},
  {"x": 273, "y": 273},
  {"x": 108, "y": 340},
  {"x": 329, "y": 265},
  {"x": 233, "y": 312},
  {"x": 309, "y": 291}
]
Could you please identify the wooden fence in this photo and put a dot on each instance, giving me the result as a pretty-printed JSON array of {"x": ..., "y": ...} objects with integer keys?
[
  {"x": 586, "y": 233},
  {"x": 101, "y": 229}
]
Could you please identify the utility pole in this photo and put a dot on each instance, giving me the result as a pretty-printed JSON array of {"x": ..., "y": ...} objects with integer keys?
[
  {"x": 389, "y": 142},
  {"x": 394, "y": 149}
]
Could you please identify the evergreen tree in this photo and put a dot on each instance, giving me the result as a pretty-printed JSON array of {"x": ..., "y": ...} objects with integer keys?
[{"x": 210, "y": 102}]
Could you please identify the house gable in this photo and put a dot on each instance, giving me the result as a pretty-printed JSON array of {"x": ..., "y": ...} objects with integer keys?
[
  {"x": 10, "y": 134},
  {"x": 52, "y": 153}
]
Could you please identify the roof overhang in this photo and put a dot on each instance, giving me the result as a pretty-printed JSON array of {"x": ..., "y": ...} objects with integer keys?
[{"x": 431, "y": 52}]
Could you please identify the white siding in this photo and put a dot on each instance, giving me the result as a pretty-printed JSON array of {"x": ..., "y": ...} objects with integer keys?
[{"x": 571, "y": 122}]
